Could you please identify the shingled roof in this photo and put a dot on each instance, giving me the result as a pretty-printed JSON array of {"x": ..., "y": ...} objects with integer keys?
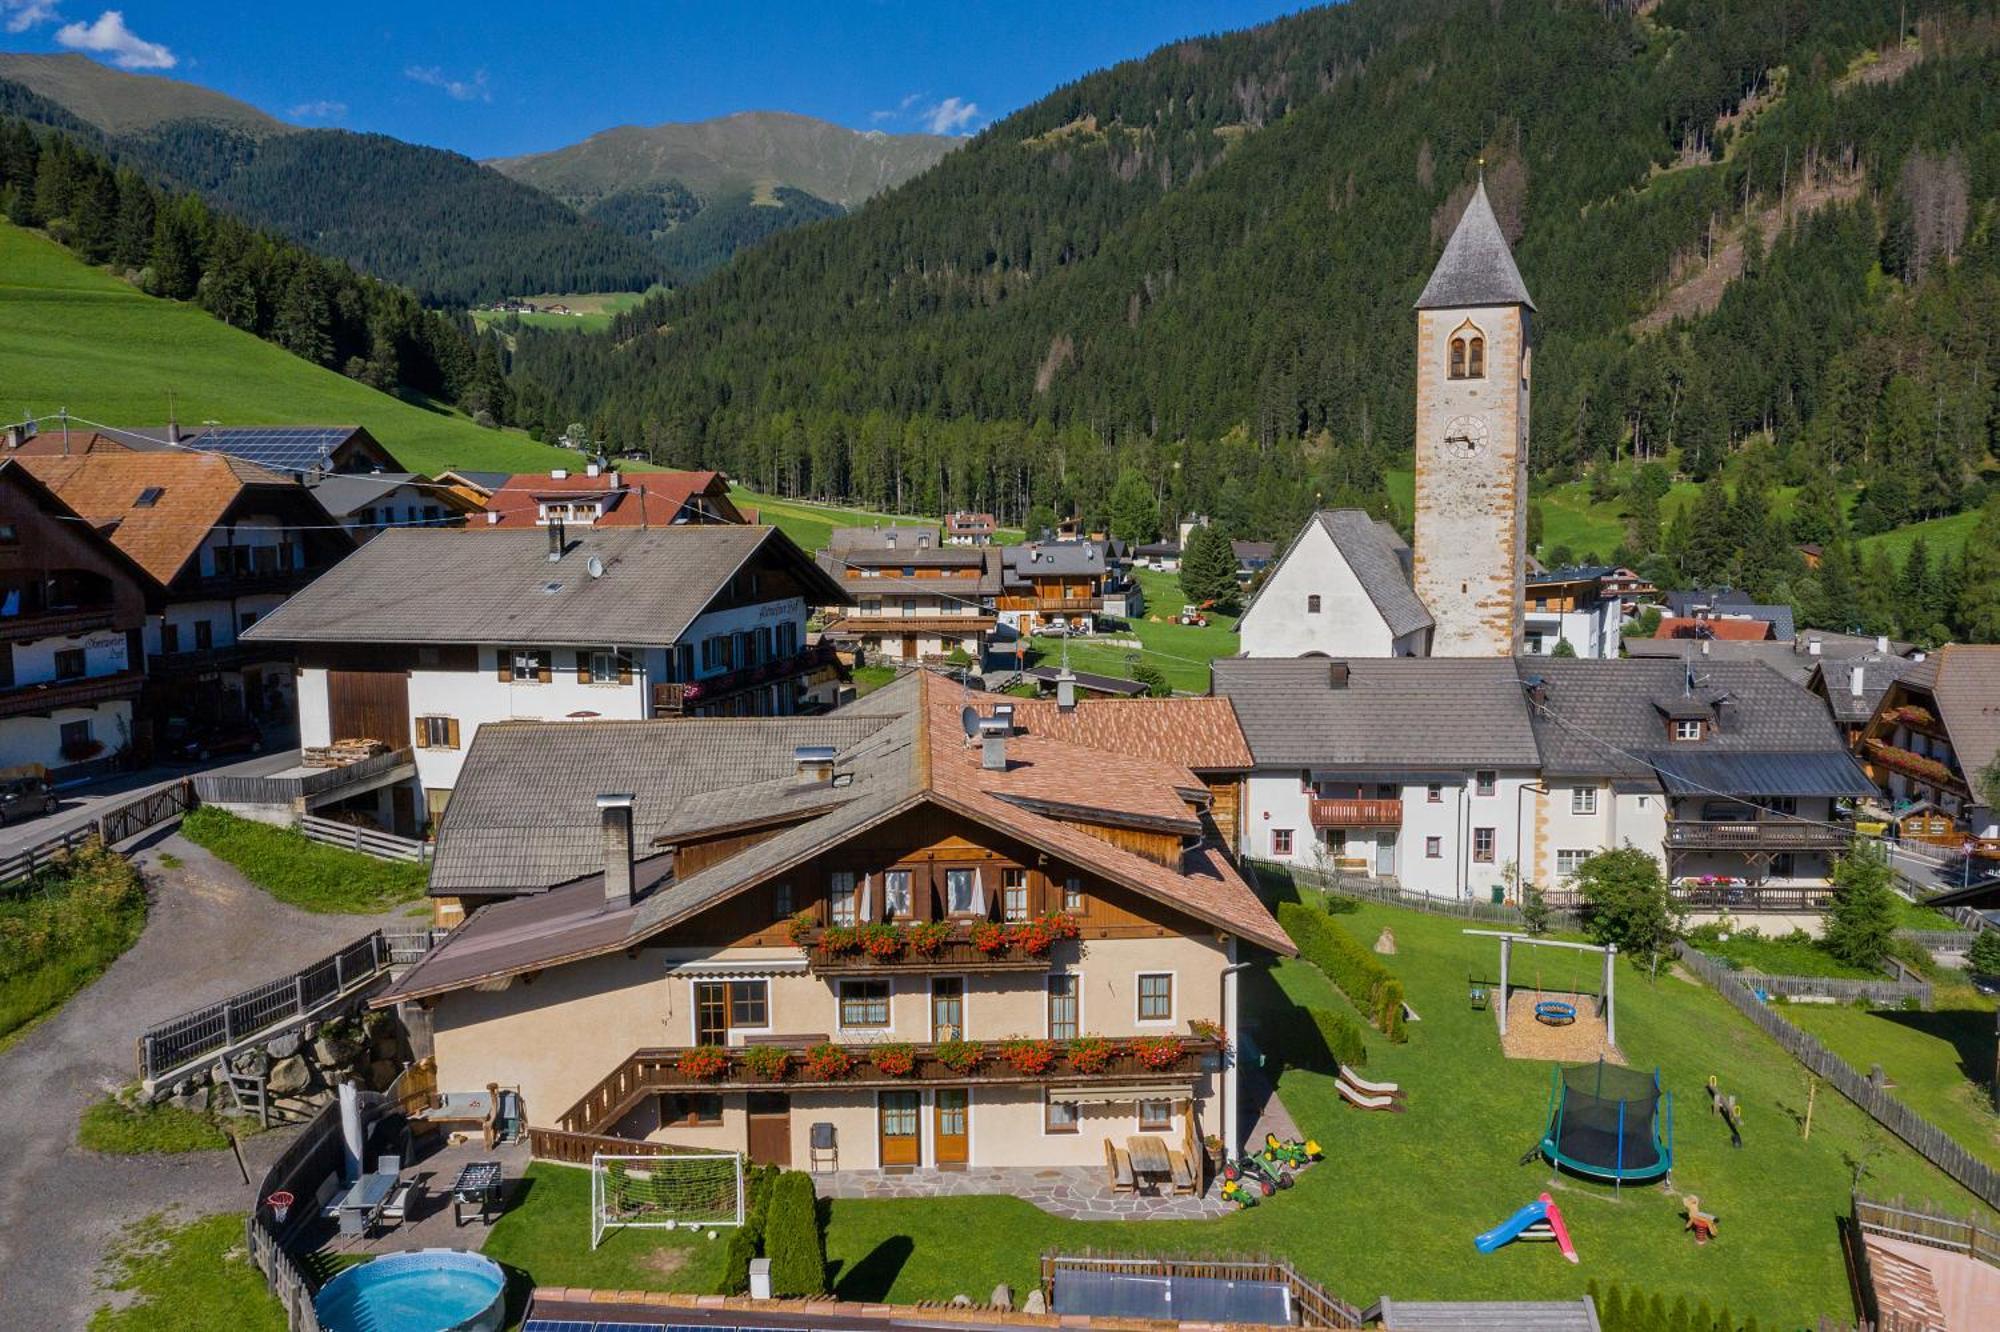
[
  {"x": 1391, "y": 714},
  {"x": 431, "y": 585},
  {"x": 1964, "y": 679},
  {"x": 1476, "y": 267},
  {"x": 911, "y": 751},
  {"x": 1376, "y": 553},
  {"x": 1200, "y": 734}
]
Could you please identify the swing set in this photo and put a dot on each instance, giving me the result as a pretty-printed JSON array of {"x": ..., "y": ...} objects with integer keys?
[{"x": 1553, "y": 1008}]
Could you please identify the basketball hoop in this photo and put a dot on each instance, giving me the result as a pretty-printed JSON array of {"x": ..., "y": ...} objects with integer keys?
[{"x": 280, "y": 1204}]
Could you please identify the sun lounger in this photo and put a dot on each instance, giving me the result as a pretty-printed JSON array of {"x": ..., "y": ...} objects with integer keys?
[
  {"x": 1363, "y": 1085},
  {"x": 1355, "y": 1098}
]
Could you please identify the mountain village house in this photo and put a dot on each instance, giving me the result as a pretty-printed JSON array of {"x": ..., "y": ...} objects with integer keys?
[
  {"x": 1053, "y": 583},
  {"x": 1573, "y": 606},
  {"x": 367, "y": 502},
  {"x": 598, "y": 496},
  {"x": 886, "y": 948},
  {"x": 73, "y": 610},
  {"x": 908, "y": 598},
  {"x": 1933, "y": 743},
  {"x": 962, "y": 528},
  {"x": 424, "y": 635},
  {"x": 1341, "y": 589}
]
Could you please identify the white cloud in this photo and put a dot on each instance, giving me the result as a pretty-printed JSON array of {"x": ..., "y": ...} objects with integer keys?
[
  {"x": 879, "y": 116},
  {"x": 951, "y": 116},
  {"x": 110, "y": 37},
  {"x": 463, "y": 90},
  {"x": 25, "y": 14},
  {"x": 318, "y": 111},
  {"x": 909, "y": 101}
]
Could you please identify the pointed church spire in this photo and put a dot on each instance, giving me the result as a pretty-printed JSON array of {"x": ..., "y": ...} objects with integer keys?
[{"x": 1476, "y": 268}]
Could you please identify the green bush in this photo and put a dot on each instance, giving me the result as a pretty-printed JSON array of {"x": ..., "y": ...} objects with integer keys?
[
  {"x": 1983, "y": 958},
  {"x": 1342, "y": 1035},
  {"x": 793, "y": 1240},
  {"x": 746, "y": 1238},
  {"x": 59, "y": 934},
  {"x": 307, "y": 874},
  {"x": 1347, "y": 963}
]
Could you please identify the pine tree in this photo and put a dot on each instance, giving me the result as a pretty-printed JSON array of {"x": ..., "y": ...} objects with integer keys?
[
  {"x": 1611, "y": 1314},
  {"x": 1978, "y": 593},
  {"x": 792, "y": 1237},
  {"x": 1208, "y": 569},
  {"x": 1135, "y": 514},
  {"x": 1656, "y": 1313},
  {"x": 1677, "y": 1318},
  {"x": 1861, "y": 919}
]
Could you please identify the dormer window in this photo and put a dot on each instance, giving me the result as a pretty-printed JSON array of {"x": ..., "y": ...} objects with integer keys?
[{"x": 1689, "y": 728}]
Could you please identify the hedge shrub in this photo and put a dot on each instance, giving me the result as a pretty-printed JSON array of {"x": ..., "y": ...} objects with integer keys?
[
  {"x": 1342, "y": 1035},
  {"x": 1348, "y": 964},
  {"x": 745, "y": 1239},
  {"x": 793, "y": 1240}
]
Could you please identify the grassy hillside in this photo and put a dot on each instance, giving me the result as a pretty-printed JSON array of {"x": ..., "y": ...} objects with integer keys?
[
  {"x": 593, "y": 311},
  {"x": 75, "y": 337},
  {"x": 118, "y": 102}
]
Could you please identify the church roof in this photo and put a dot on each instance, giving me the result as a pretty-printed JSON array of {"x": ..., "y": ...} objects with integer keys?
[{"x": 1476, "y": 268}]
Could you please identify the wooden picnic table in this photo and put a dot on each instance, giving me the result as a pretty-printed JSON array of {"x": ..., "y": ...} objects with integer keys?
[{"x": 1149, "y": 1155}]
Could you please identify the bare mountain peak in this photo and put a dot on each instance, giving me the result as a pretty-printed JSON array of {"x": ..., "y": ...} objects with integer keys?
[{"x": 118, "y": 102}]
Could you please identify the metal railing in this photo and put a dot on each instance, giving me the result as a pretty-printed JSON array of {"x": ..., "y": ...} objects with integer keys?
[
  {"x": 180, "y": 1043},
  {"x": 214, "y": 789},
  {"x": 1775, "y": 834}
]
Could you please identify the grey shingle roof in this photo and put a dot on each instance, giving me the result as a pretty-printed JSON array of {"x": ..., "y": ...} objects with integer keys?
[
  {"x": 1836, "y": 680},
  {"x": 906, "y": 536},
  {"x": 1377, "y": 554},
  {"x": 975, "y": 574},
  {"x": 1051, "y": 558},
  {"x": 1476, "y": 267},
  {"x": 1407, "y": 713},
  {"x": 430, "y": 585},
  {"x": 341, "y": 493},
  {"x": 523, "y": 814},
  {"x": 1814, "y": 773},
  {"x": 1603, "y": 718},
  {"x": 1728, "y": 601}
]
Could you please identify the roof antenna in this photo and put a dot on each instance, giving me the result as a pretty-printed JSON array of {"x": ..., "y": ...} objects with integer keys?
[
  {"x": 64, "y": 414},
  {"x": 173, "y": 420}
]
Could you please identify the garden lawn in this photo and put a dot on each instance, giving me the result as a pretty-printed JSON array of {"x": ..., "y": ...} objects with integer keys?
[
  {"x": 304, "y": 873},
  {"x": 119, "y": 1128},
  {"x": 1180, "y": 652},
  {"x": 1395, "y": 1205},
  {"x": 78, "y": 337},
  {"x": 192, "y": 1277},
  {"x": 58, "y": 935},
  {"x": 1941, "y": 1060},
  {"x": 1784, "y": 955}
]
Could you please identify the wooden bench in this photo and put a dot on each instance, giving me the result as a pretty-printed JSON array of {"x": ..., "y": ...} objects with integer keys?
[
  {"x": 1181, "y": 1171},
  {"x": 1118, "y": 1168}
]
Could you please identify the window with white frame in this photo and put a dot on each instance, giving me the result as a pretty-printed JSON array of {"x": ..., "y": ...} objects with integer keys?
[
  {"x": 961, "y": 891},
  {"x": 1583, "y": 800},
  {"x": 1687, "y": 728},
  {"x": 1568, "y": 861},
  {"x": 1281, "y": 841},
  {"x": 864, "y": 1003},
  {"x": 1073, "y": 895},
  {"x": 529, "y": 665},
  {"x": 1156, "y": 1116},
  {"x": 607, "y": 666},
  {"x": 896, "y": 894},
  {"x": 1156, "y": 996},
  {"x": 1014, "y": 894},
  {"x": 841, "y": 906}
]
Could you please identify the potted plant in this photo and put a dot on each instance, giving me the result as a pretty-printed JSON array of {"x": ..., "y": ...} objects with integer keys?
[
  {"x": 898, "y": 1059},
  {"x": 1036, "y": 937},
  {"x": 802, "y": 925},
  {"x": 1206, "y": 1030},
  {"x": 1091, "y": 1054},
  {"x": 836, "y": 940},
  {"x": 765, "y": 1063},
  {"x": 1027, "y": 1056},
  {"x": 880, "y": 940},
  {"x": 1157, "y": 1053},
  {"x": 702, "y": 1063},
  {"x": 990, "y": 939},
  {"x": 827, "y": 1062},
  {"x": 928, "y": 938},
  {"x": 961, "y": 1057}
]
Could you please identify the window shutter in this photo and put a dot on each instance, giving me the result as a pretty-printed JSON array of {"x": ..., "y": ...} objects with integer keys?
[
  {"x": 544, "y": 666},
  {"x": 624, "y": 669},
  {"x": 451, "y": 732},
  {"x": 583, "y": 665},
  {"x": 506, "y": 665}
]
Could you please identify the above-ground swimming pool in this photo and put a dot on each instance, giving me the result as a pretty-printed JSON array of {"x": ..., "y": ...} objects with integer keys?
[{"x": 430, "y": 1290}]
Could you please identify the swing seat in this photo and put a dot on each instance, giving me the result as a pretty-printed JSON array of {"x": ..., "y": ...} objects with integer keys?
[
  {"x": 1476, "y": 992},
  {"x": 1555, "y": 1012}
]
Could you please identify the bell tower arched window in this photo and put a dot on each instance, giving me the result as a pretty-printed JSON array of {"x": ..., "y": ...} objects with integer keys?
[{"x": 1467, "y": 358}]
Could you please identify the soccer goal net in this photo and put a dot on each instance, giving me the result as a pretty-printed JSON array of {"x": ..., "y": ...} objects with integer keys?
[{"x": 665, "y": 1192}]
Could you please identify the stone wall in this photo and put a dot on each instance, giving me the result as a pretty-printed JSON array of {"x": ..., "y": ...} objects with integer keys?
[{"x": 303, "y": 1067}]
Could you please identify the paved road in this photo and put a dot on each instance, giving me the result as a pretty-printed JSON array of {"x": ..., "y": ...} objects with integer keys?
[
  {"x": 210, "y": 934},
  {"x": 82, "y": 804}
]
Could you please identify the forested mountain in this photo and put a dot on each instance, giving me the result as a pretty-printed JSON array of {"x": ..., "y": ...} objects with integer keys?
[
  {"x": 701, "y": 191},
  {"x": 434, "y": 221},
  {"x": 1760, "y": 237}
]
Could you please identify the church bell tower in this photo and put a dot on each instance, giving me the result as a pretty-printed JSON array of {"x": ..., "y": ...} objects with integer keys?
[{"x": 1472, "y": 441}]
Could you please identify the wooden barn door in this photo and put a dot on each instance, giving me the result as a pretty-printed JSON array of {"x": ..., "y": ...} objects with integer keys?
[
  {"x": 771, "y": 1128},
  {"x": 369, "y": 705}
]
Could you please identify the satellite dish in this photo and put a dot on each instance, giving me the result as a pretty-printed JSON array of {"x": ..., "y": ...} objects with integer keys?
[
  {"x": 594, "y": 567},
  {"x": 968, "y": 717}
]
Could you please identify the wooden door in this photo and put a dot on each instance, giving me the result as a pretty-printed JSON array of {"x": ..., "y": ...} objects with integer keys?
[
  {"x": 951, "y": 1124},
  {"x": 900, "y": 1113},
  {"x": 909, "y": 647},
  {"x": 771, "y": 1128},
  {"x": 369, "y": 705}
]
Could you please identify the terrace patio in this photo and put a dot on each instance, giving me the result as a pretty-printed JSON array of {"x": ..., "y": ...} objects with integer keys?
[{"x": 1078, "y": 1193}]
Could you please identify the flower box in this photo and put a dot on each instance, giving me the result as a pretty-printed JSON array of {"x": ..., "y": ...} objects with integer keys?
[
  {"x": 881, "y": 941},
  {"x": 897, "y": 1059},
  {"x": 961, "y": 1057},
  {"x": 827, "y": 1062},
  {"x": 928, "y": 938},
  {"x": 703, "y": 1063},
  {"x": 765, "y": 1063},
  {"x": 1157, "y": 1053},
  {"x": 1029, "y": 1058},
  {"x": 1091, "y": 1054}
]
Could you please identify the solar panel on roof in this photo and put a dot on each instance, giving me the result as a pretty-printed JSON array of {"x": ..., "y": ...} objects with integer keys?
[
  {"x": 1180, "y": 1298},
  {"x": 555, "y": 1325},
  {"x": 281, "y": 448}
]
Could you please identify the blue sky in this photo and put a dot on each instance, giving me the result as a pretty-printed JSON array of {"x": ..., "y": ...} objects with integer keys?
[{"x": 504, "y": 77}]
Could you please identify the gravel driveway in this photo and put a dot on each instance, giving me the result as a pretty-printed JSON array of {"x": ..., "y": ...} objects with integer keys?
[{"x": 210, "y": 933}]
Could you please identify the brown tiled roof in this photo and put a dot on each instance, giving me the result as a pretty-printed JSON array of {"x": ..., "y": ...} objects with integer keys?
[
  {"x": 639, "y": 499},
  {"x": 1197, "y": 733},
  {"x": 196, "y": 489},
  {"x": 57, "y": 443},
  {"x": 1726, "y": 629}
]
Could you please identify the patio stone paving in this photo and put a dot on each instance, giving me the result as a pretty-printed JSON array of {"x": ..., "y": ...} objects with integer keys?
[{"x": 1077, "y": 1192}]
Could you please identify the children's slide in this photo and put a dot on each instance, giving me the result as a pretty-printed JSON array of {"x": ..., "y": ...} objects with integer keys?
[
  {"x": 1553, "y": 1215},
  {"x": 1509, "y": 1229}
]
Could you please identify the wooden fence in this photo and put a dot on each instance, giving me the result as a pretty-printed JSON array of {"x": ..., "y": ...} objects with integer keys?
[
  {"x": 1895, "y": 1219},
  {"x": 170, "y": 1047},
  {"x": 24, "y": 867},
  {"x": 1930, "y": 1141},
  {"x": 368, "y": 841},
  {"x": 148, "y": 811},
  {"x": 1314, "y": 1305},
  {"x": 1940, "y": 941},
  {"x": 1836, "y": 990}
]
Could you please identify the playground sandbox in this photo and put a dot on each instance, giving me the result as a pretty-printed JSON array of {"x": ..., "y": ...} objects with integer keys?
[{"x": 1581, "y": 1040}]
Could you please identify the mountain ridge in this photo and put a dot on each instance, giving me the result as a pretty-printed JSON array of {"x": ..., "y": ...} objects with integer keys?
[{"x": 120, "y": 102}]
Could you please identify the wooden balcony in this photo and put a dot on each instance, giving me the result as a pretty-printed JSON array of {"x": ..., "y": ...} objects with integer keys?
[
  {"x": 956, "y": 954},
  {"x": 58, "y": 623},
  {"x": 1765, "y": 834},
  {"x": 79, "y": 693},
  {"x": 1911, "y": 764},
  {"x": 1051, "y": 605},
  {"x": 1342, "y": 813},
  {"x": 648, "y": 1072}
]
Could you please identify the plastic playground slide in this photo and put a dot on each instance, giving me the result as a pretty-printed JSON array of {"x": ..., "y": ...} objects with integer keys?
[
  {"x": 1542, "y": 1211},
  {"x": 1363, "y": 1085}
]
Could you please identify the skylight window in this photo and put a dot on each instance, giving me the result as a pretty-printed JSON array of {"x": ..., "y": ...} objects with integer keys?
[{"x": 149, "y": 497}]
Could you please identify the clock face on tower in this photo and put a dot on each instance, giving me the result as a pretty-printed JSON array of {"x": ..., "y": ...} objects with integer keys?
[{"x": 1465, "y": 437}]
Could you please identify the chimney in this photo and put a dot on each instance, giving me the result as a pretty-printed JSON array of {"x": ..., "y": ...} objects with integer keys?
[
  {"x": 591, "y": 468},
  {"x": 558, "y": 474},
  {"x": 1882, "y": 644},
  {"x": 492, "y": 517},
  {"x": 555, "y": 539},
  {"x": 993, "y": 744},
  {"x": 1854, "y": 685},
  {"x": 1004, "y": 714},
  {"x": 814, "y": 764},
  {"x": 616, "y": 811},
  {"x": 1336, "y": 675},
  {"x": 1065, "y": 692},
  {"x": 1814, "y": 647},
  {"x": 173, "y": 431},
  {"x": 1704, "y": 646}
]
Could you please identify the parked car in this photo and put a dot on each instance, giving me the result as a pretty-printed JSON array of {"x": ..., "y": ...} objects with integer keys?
[
  {"x": 25, "y": 797},
  {"x": 193, "y": 742}
]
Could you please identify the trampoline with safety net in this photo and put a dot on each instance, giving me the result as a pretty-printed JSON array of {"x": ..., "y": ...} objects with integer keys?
[{"x": 1609, "y": 1122}]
